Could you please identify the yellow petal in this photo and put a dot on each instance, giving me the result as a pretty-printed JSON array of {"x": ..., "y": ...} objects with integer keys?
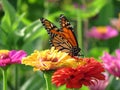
[{"x": 50, "y": 60}]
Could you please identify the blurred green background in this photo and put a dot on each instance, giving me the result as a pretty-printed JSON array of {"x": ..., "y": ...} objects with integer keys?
[{"x": 20, "y": 28}]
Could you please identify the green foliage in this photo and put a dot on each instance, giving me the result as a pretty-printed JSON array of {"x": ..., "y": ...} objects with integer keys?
[
  {"x": 97, "y": 52},
  {"x": 103, "y": 15},
  {"x": 87, "y": 10},
  {"x": 17, "y": 34},
  {"x": 114, "y": 84},
  {"x": 14, "y": 32}
]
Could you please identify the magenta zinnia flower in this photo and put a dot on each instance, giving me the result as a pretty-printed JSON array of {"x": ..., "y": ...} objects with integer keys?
[
  {"x": 11, "y": 57},
  {"x": 112, "y": 63},
  {"x": 102, "y": 33}
]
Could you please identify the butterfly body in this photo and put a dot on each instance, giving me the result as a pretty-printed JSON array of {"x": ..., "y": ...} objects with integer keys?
[{"x": 64, "y": 38}]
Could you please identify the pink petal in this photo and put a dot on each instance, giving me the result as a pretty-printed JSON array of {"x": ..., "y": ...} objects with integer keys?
[
  {"x": 111, "y": 32},
  {"x": 16, "y": 56},
  {"x": 118, "y": 53}
]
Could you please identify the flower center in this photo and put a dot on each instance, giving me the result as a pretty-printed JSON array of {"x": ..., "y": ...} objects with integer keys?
[
  {"x": 4, "y": 54},
  {"x": 102, "y": 30},
  {"x": 55, "y": 60}
]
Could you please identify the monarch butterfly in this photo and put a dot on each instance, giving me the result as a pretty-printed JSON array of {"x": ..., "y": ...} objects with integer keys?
[{"x": 64, "y": 38}]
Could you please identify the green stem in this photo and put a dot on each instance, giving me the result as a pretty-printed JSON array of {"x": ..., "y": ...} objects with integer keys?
[
  {"x": 4, "y": 71},
  {"x": 46, "y": 6},
  {"x": 19, "y": 6},
  {"x": 16, "y": 78},
  {"x": 85, "y": 28},
  {"x": 79, "y": 29},
  {"x": 47, "y": 76}
]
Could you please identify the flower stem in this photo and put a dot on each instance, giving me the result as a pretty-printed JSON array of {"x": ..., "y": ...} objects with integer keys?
[
  {"x": 79, "y": 29},
  {"x": 4, "y": 71},
  {"x": 47, "y": 76},
  {"x": 46, "y": 6},
  {"x": 85, "y": 27},
  {"x": 16, "y": 77}
]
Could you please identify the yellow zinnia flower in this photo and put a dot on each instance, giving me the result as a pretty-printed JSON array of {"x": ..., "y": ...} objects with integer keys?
[{"x": 51, "y": 59}]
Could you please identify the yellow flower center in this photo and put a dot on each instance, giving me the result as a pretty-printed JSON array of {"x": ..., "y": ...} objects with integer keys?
[
  {"x": 102, "y": 30},
  {"x": 3, "y": 54}
]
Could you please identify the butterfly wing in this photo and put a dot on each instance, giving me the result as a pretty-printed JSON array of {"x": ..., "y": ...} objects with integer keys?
[
  {"x": 68, "y": 33},
  {"x": 62, "y": 39},
  {"x": 61, "y": 44},
  {"x": 56, "y": 38},
  {"x": 49, "y": 26}
]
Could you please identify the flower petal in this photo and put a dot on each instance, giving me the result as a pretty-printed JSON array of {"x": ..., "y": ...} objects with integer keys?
[
  {"x": 16, "y": 56},
  {"x": 112, "y": 63},
  {"x": 81, "y": 75},
  {"x": 51, "y": 60},
  {"x": 102, "y": 32}
]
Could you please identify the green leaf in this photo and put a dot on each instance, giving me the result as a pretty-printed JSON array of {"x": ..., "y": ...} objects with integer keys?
[
  {"x": 34, "y": 35},
  {"x": 114, "y": 83},
  {"x": 17, "y": 22},
  {"x": 9, "y": 10},
  {"x": 90, "y": 10},
  {"x": 105, "y": 15},
  {"x": 36, "y": 82},
  {"x": 96, "y": 52},
  {"x": 84, "y": 88},
  {"x": 9, "y": 17},
  {"x": 33, "y": 31},
  {"x": 31, "y": 27},
  {"x": 5, "y": 24}
]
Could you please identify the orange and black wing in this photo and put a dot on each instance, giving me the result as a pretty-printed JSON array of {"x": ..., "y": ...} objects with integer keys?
[
  {"x": 62, "y": 39},
  {"x": 51, "y": 29},
  {"x": 61, "y": 44},
  {"x": 69, "y": 35},
  {"x": 56, "y": 38},
  {"x": 49, "y": 26}
]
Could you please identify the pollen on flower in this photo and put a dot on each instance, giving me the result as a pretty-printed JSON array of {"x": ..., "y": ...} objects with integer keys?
[
  {"x": 50, "y": 60},
  {"x": 4, "y": 52},
  {"x": 102, "y": 30}
]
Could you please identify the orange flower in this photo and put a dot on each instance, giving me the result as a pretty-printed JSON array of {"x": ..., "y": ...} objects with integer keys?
[
  {"x": 51, "y": 59},
  {"x": 82, "y": 75}
]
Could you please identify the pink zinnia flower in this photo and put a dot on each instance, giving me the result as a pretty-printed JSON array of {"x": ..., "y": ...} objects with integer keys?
[
  {"x": 100, "y": 84},
  {"x": 11, "y": 57},
  {"x": 112, "y": 63},
  {"x": 102, "y": 33}
]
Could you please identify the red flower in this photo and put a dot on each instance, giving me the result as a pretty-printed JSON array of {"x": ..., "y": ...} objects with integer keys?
[{"x": 82, "y": 75}]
